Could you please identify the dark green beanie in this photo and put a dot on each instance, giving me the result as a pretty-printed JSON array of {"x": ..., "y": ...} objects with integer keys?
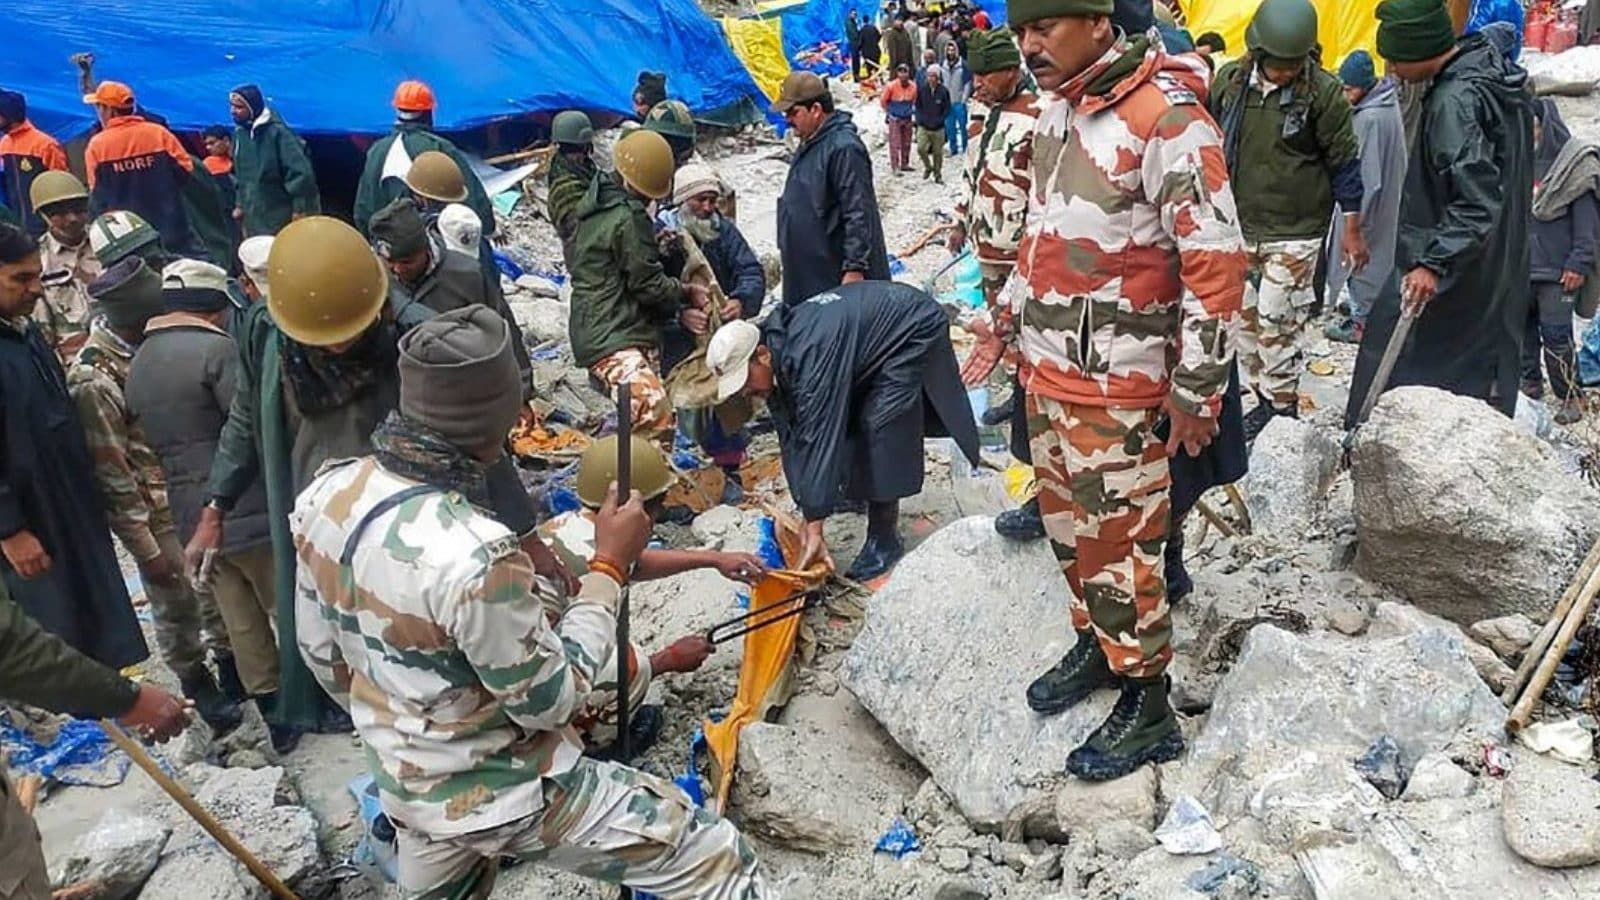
[
  {"x": 992, "y": 51},
  {"x": 1021, "y": 12},
  {"x": 458, "y": 377},
  {"x": 128, "y": 294},
  {"x": 398, "y": 230},
  {"x": 1414, "y": 30}
]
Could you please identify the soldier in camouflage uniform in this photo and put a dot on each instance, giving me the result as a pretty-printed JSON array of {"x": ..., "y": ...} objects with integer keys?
[
  {"x": 416, "y": 608},
  {"x": 135, "y": 491},
  {"x": 69, "y": 262},
  {"x": 999, "y": 176},
  {"x": 1292, "y": 151},
  {"x": 1127, "y": 290}
]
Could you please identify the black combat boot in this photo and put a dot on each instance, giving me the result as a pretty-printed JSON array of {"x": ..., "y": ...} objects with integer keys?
[
  {"x": 883, "y": 547},
  {"x": 1142, "y": 728},
  {"x": 1179, "y": 584},
  {"x": 1025, "y": 523},
  {"x": 285, "y": 738},
  {"x": 1069, "y": 682},
  {"x": 644, "y": 729},
  {"x": 215, "y": 710},
  {"x": 228, "y": 677},
  {"x": 1256, "y": 419}
]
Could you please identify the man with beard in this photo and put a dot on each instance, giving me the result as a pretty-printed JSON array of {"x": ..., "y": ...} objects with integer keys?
[
  {"x": 70, "y": 265},
  {"x": 697, "y": 190},
  {"x": 1128, "y": 164},
  {"x": 275, "y": 184},
  {"x": 1461, "y": 261}
]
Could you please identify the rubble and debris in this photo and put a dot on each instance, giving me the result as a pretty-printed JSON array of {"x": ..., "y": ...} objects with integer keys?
[
  {"x": 1549, "y": 812},
  {"x": 1188, "y": 830},
  {"x": 1292, "y": 465},
  {"x": 1463, "y": 513},
  {"x": 1382, "y": 768},
  {"x": 1437, "y": 777},
  {"x": 1567, "y": 741},
  {"x": 1509, "y": 636},
  {"x": 112, "y": 860}
]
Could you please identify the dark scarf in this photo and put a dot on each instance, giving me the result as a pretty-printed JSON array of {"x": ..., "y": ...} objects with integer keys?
[
  {"x": 412, "y": 450},
  {"x": 318, "y": 379}
]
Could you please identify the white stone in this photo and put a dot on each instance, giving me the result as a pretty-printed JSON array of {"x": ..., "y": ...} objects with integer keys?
[
  {"x": 949, "y": 646},
  {"x": 1435, "y": 776},
  {"x": 116, "y": 856},
  {"x": 1550, "y": 811},
  {"x": 1508, "y": 636},
  {"x": 1462, "y": 512},
  {"x": 1292, "y": 464}
]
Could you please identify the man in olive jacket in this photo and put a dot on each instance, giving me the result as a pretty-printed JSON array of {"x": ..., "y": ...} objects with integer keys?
[
  {"x": 1292, "y": 154},
  {"x": 621, "y": 296},
  {"x": 270, "y": 167}
]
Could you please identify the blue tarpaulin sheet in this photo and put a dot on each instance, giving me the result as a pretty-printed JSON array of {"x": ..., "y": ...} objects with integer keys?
[{"x": 330, "y": 66}]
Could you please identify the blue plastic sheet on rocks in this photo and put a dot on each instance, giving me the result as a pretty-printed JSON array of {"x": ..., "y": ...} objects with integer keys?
[
  {"x": 899, "y": 840},
  {"x": 1589, "y": 356},
  {"x": 81, "y": 754},
  {"x": 330, "y": 66}
]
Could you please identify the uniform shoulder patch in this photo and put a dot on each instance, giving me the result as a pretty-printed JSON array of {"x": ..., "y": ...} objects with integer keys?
[{"x": 1176, "y": 92}]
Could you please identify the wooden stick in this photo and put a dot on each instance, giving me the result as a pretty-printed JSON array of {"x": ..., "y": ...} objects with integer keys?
[
  {"x": 196, "y": 811},
  {"x": 521, "y": 155},
  {"x": 1236, "y": 497},
  {"x": 1536, "y": 650},
  {"x": 1576, "y": 616},
  {"x": 1215, "y": 519}
]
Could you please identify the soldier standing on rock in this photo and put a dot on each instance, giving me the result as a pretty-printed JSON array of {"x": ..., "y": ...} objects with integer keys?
[{"x": 1108, "y": 356}]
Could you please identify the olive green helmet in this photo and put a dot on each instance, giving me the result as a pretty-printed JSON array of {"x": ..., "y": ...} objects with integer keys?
[
  {"x": 118, "y": 234},
  {"x": 573, "y": 128},
  {"x": 1283, "y": 29},
  {"x": 670, "y": 118},
  {"x": 651, "y": 475},
  {"x": 54, "y": 187}
]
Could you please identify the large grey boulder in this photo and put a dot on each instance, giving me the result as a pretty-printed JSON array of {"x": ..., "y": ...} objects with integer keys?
[
  {"x": 947, "y": 651},
  {"x": 1550, "y": 812},
  {"x": 827, "y": 780},
  {"x": 1292, "y": 464},
  {"x": 116, "y": 856},
  {"x": 1462, "y": 512},
  {"x": 1296, "y": 703}
]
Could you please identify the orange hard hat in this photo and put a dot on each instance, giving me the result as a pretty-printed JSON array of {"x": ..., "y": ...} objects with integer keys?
[
  {"x": 414, "y": 96},
  {"x": 113, "y": 94}
]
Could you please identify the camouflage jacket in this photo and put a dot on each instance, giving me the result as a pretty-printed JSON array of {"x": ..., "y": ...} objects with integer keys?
[
  {"x": 430, "y": 632},
  {"x": 127, "y": 470},
  {"x": 1131, "y": 274},
  {"x": 999, "y": 175},
  {"x": 63, "y": 314}
]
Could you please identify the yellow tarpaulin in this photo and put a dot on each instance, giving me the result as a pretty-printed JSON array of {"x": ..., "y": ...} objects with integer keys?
[
  {"x": 767, "y": 654},
  {"x": 1345, "y": 25},
  {"x": 759, "y": 45}
]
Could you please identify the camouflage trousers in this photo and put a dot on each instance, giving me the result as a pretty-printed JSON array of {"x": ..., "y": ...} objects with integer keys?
[
  {"x": 602, "y": 821},
  {"x": 1278, "y": 298},
  {"x": 597, "y": 721},
  {"x": 653, "y": 418},
  {"x": 187, "y": 624},
  {"x": 1104, "y": 493}
]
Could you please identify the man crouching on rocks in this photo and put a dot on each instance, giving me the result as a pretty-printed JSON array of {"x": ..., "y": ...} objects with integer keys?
[
  {"x": 1128, "y": 287},
  {"x": 416, "y": 609}
]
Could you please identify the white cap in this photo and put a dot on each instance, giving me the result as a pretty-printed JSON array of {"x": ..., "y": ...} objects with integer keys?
[
  {"x": 461, "y": 229},
  {"x": 193, "y": 274},
  {"x": 693, "y": 180},
  {"x": 253, "y": 253},
  {"x": 728, "y": 356}
]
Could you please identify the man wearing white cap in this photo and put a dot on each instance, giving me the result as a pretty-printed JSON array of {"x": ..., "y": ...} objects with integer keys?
[
  {"x": 850, "y": 377},
  {"x": 253, "y": 253}
]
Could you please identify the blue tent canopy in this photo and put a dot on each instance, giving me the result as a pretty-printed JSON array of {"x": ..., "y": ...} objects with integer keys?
[{"x": 330, "y": 66}]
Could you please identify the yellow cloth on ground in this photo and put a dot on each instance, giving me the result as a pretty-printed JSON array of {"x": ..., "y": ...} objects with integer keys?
[{"x": 767, "y": 655}]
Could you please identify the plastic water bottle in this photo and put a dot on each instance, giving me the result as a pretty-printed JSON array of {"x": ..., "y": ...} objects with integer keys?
[{"x": 969, "y": 281}]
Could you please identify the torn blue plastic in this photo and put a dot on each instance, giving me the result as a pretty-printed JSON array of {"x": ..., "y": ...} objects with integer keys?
[
  {"x": 81, "y": 754},
  {"x": 767, "y": 550},
  {"x": 899, "y": 840},
  {"x": 507, "y": 266}
]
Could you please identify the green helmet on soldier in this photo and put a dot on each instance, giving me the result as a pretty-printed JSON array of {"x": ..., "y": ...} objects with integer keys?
[
  {"x": 53, "y": 187},
  {"x": 652, "y": 476},
  {"x": 1283, "y": 29},
  {"x": 671, "y": 118},
  {"x": 118, "y": 234},
  {"x": 644, "y": 163},
  {"x": 327, "y": 285},
  {"x": 572, "y": 128}
]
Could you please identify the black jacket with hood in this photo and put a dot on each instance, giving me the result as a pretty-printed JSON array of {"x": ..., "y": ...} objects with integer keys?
[{"x": 828, "y": 220}]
